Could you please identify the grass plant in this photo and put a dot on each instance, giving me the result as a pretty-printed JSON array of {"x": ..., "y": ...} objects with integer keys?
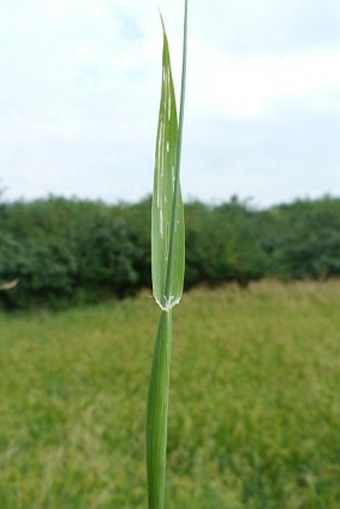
[{"x": 168, "y": 262}]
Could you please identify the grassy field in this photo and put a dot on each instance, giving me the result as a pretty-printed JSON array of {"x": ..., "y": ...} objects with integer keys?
[{"x": 254, "y": 407}]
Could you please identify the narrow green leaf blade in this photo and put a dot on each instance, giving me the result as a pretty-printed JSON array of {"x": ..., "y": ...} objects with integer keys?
[{"x": 167, "y": 243}]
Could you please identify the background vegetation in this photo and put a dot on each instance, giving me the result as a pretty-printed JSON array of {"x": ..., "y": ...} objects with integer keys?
[
  {"x": 70, "y": 251},
  {"x": 254, "y": 406}
]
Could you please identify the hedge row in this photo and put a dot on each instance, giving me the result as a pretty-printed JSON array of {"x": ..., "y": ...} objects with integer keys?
[{"x": 70, "y": 251}]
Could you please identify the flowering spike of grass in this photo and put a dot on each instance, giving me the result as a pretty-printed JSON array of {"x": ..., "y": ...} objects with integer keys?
[
  {"x": 167, "y": 234},
  {"x": 167, "y": 207}
]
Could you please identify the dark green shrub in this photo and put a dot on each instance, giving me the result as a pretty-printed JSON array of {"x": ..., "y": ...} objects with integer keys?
[{"x": 68, "y": 251}]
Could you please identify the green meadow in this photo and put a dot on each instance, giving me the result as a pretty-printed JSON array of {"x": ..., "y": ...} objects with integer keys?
[{"x": 254, "y": 403}]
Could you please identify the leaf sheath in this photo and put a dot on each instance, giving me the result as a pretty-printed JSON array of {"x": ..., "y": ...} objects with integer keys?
[{"x": 157, "y": 413}]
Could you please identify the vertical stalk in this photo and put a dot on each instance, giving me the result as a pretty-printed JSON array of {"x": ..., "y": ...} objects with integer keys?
[
  {"x": 157, "y": 412},
  {"x": 168, "y": 253}
]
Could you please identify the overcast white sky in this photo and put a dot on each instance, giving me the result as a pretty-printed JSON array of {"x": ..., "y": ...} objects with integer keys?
[{"x": 80, "y": 87}]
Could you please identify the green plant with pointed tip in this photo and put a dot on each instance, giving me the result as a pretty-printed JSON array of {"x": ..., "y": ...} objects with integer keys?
[{"x": 168, "y": 260}]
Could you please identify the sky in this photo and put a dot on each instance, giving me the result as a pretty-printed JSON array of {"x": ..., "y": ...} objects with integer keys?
[{"x": 80, "y": 88}]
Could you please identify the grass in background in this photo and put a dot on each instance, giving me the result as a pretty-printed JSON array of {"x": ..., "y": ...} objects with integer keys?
[{"x": 254, "y": 419}]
